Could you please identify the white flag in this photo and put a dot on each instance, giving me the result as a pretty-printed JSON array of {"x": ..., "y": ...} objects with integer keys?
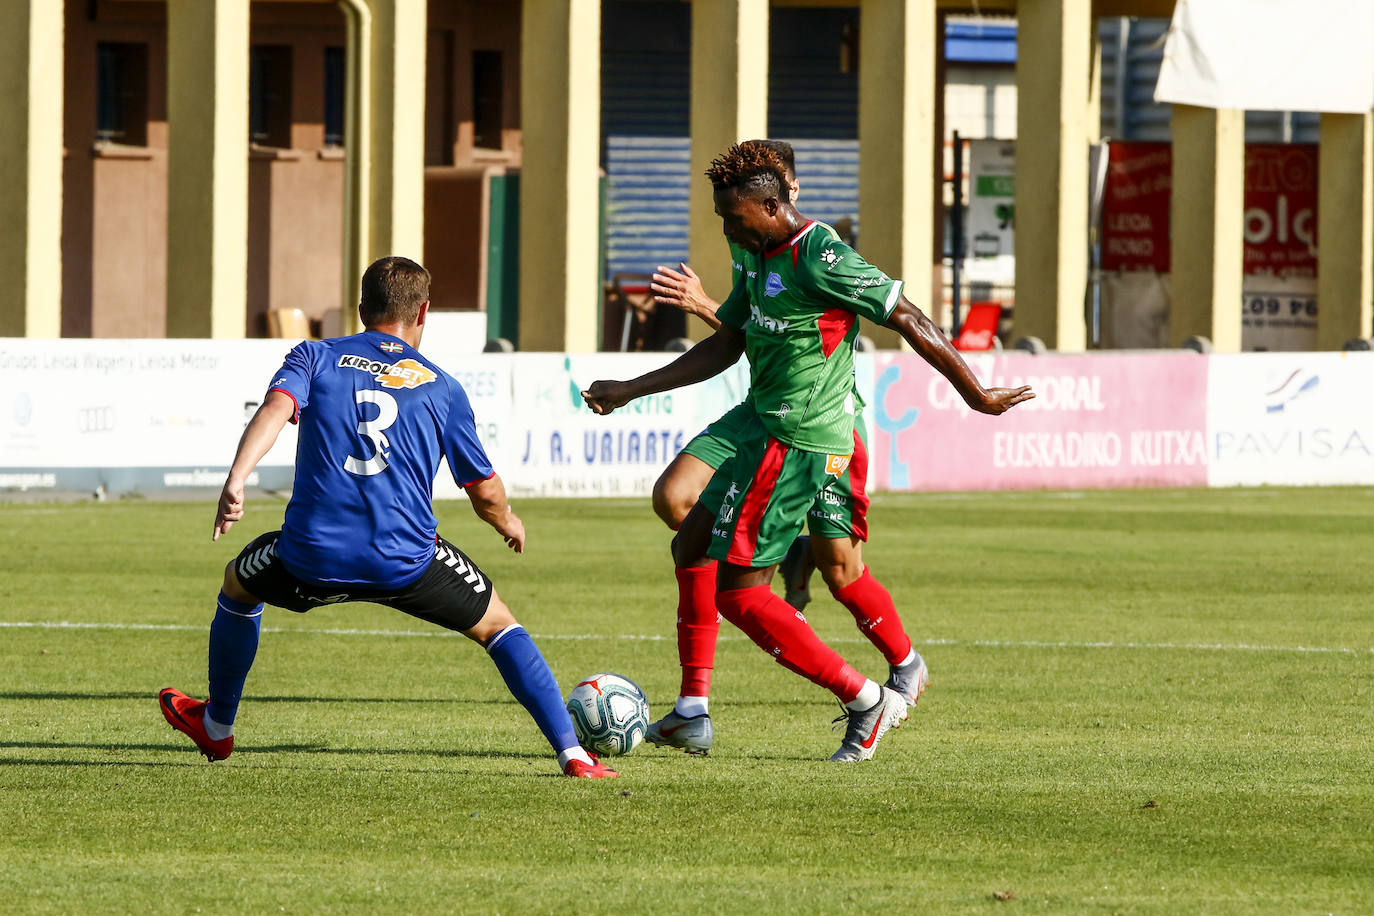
[{"x": 1270, "y": 55}]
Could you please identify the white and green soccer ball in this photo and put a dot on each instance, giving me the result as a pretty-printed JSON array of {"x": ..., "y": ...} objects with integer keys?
[{"x": 609, "y": 713}]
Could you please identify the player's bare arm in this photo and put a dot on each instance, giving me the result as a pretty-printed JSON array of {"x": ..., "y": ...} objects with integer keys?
[
  {"x": 706, "y": 360},
  {"x": 257, "y": 440},
  {"x": 488, "y": 498},
  {"x": 682, "y": 290},
  {"x": 935, "y": 348}
]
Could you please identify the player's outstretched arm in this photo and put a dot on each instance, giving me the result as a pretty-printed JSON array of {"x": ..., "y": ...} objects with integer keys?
[
  {"x": 682, "y": 290},
  {"x": 488, "y": 499},
  {"x": 935, "y": 348},
  {"x": 707, "y": 359},
  {"x": 257, "y": 440}
]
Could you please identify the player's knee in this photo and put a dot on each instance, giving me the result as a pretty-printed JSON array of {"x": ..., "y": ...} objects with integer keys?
[
  {"x": 839, "y": 568},
  {"x": 840, "y": 575},
  {"x": 233, "y": 588},
  {"x": 670, "y": 502},
  {"x": 497, "y": 617}
]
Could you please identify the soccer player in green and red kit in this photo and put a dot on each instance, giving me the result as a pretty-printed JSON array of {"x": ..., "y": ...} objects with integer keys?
[
  {"x": 794, "y": 314},
  {"x": 688, "y": 724}
]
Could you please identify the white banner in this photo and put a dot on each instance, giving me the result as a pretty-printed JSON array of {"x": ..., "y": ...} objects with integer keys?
[
  {"x": 991, "y": 212},
  {"x": 1290, "y": 419},
  {"x": 175, "y": 406},
  {"x": 1270, "y": 55},
  {"x": 549, "y": 444},
  {"x": 1279, "y": 313},
  {"x": 153, "y": 414}
]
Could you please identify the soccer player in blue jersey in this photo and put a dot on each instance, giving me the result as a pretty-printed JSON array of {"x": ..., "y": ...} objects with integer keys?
[{"x": 375, "y": 419}]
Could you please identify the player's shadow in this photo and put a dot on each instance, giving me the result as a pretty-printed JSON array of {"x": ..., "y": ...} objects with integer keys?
[{"x": 151, "y": 696}]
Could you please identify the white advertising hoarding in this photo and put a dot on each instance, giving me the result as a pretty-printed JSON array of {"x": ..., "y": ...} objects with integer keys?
[
  {"x": 1290, "y": 418},
  {"x": 154, "y": 414},
  {"x": 171, "y": 410}
]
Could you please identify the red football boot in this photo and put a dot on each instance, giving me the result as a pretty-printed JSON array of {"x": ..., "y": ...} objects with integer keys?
[
  {"x": 187, "y": 716},
  {"x": 594, "y": 770}
]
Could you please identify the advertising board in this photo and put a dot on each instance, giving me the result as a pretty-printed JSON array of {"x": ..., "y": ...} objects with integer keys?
[
  {"x": 1290, "y": 418},
  {"x": 1097, "y": 421}
]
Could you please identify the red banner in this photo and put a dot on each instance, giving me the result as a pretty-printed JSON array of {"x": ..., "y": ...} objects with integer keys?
[
  {"x": 1280, "y": 208},
  {"x": 1135, "y": 207}
]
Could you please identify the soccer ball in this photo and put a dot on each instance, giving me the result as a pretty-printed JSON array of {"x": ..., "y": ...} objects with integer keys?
[{"x": 609, "y": 713}]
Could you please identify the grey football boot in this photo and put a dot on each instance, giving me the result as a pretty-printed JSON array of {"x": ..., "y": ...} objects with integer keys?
[
  {"x": 867, "y": 726},
  {"x": 796, "y": 569},
  {"x": 692, "y": 734},
  {"x": 909, "y": 680}
]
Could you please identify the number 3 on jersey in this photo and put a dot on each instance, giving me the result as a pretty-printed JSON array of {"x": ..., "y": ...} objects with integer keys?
[{"x": 375, "y": 431}]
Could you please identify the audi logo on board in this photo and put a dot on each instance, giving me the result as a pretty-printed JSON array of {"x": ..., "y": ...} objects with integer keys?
[{"x": 95, "y": 419}]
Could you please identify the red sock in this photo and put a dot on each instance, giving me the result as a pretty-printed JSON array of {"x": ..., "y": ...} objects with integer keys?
[
  {"x": 698, "y": 622},
  {"x": 783, "y": 633},
  {"x": 876, "y": 615}
]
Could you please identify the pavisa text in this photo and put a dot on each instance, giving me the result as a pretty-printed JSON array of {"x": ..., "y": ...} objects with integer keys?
[{"x": 624, "y": 446}]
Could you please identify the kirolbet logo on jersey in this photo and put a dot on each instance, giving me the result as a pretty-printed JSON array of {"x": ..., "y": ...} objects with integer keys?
[
  {"x": 405, "y": 374},
  {"x": 837, "y": 464}
]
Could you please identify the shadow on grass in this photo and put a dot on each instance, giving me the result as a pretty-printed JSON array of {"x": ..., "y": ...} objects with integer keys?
[
  {"x": 751, "y": 703},
  {"x": 249, "y": 750},
  {"x": 151, "y": 696}
]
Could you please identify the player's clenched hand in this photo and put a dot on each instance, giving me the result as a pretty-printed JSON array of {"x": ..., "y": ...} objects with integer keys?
[
  {"x": 999, "y": 400},
  {"x": 603, "y": 396},
  {"x": 230, "y": 508},
  {"x": 512, "y": 531}
]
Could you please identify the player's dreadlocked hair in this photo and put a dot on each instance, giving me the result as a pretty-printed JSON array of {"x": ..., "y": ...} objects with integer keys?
[
  {"x": 752, "y": 169},
  {"x": 783, "y": 149}
]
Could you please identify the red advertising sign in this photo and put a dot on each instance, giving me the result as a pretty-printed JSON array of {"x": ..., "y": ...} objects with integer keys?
[
  {"x": 1135, "y": 207},
  {"x": 1280, "y": 208}
]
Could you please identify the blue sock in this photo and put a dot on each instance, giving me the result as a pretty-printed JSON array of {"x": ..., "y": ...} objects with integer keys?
[
  {"x": 233, "y": 643},
  {"x": 531, "y": 682}
]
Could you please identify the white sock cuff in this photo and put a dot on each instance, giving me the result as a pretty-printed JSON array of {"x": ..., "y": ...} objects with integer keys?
[
  {"x": 868, "y": 697},
  {"x": 687, "y": 707},
  {"x": 257, "y": 610},
  {"x": 215, "y": 730},
  {"x": 576, "y": 752},
  {"x": 491, "y": 643}
]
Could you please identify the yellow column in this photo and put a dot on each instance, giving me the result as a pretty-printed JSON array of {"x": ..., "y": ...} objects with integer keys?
[
  {"x": 729, "y": 104},
  {"x": 207, "y": 167},
  {"x": 897, "y": 49},
  {"x": 1206, "y": 226},
  {"x": 1053, "y": 110},
  {"x": 1345, "y": 229},
  {"x": 398, "y": 128},
  {"x": 560, "y": 116},
  {"x": 31, "y": 80}
]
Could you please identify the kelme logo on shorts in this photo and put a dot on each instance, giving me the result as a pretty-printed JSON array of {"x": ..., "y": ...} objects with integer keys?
[
  {"x": 405, "y": 374},
  {"x": 837, "y": 464}
]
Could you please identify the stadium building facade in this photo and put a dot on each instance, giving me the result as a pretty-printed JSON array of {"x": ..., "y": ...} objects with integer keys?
[{"x": 206, "y": 168}]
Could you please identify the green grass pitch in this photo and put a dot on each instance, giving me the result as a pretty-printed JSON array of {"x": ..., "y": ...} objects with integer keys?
[{"x": 1141, "y": 702}]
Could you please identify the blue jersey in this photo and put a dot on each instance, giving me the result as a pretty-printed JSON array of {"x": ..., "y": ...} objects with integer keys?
[{"x": 375, "y": 419}]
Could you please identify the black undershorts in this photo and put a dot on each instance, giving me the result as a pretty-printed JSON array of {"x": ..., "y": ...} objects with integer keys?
[{"x": 451, "y": 592}]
